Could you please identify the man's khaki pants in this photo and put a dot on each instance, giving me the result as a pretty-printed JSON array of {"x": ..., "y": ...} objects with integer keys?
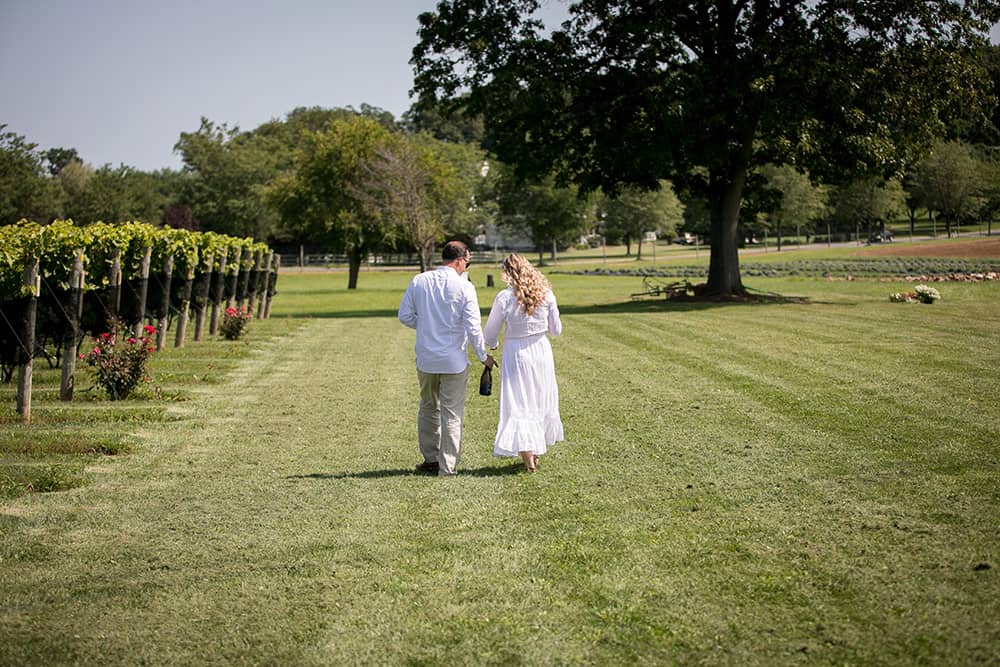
[{"x": 439, "y": 421}]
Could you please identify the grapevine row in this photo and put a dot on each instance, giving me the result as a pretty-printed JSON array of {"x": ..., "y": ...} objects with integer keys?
[{"x": 59, "y": 282}]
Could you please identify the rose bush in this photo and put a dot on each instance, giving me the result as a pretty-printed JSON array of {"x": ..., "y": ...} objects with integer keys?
[
  {"x": 119, "y": 360},
  {"x": 235, "y": 322}
]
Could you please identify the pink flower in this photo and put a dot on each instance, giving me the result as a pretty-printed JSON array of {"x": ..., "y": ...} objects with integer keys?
[
  {"x": 149, "y": 329},
  {"x": 97, "y": 351},
  {"x": 131, "y": 341}
]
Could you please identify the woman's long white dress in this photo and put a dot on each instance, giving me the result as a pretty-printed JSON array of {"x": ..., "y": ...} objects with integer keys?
[{"x": 529, "y": 395}]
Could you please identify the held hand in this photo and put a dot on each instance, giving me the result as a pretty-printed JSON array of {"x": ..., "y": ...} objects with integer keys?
[{"x": 490, "y": 361}]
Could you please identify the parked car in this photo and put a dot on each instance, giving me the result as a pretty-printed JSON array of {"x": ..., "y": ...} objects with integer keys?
[{"x": 880, "y": 237}]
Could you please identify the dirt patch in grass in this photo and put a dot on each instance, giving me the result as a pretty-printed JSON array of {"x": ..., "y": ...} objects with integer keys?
[{"x": 973, "y": 248}]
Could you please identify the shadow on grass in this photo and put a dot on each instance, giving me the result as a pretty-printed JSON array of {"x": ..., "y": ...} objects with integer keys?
[
  {"x": 681, "y": 305},
  {"x": 639, "y": 306},
  {"x": 485, "y": 471}
]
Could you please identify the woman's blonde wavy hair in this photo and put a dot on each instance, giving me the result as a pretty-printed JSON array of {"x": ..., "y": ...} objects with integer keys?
[{"x": 528, "y": 284}]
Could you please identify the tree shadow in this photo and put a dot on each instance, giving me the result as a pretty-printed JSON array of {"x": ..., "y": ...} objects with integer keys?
[
  {"x": 638, "y": 306},
  {"x": 662, "y": 305},
  {"x": 483, "y": 471},
  {"x": 344, "y": 314}
]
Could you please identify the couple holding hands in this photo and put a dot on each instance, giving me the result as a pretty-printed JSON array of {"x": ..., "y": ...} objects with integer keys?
[{"x": 442, "y": 306}]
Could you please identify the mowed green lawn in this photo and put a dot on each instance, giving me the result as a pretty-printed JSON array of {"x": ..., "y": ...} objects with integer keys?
[{"x": 800, "y": 482}]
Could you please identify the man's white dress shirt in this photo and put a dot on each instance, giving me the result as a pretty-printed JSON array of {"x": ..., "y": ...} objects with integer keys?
[{"x": 442, "y": 306}]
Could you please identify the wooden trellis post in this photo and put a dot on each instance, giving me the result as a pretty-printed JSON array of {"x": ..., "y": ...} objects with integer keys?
[
  {"x": 253, "y": 282},
  {"x": 244, "y": 282},
  {"x": 233, "y": 280},
  {"x": 116, "y": 284},
  {"x": 74, "y": 311},
  {"x": 26, "y": 352},
  {"x": 184, "y": 309},
  {"x": 201, "y": 296},
  {"x": 218, "y": 289},
  {"x": 147, "y": 254},
  {"x": 263, "y": 283},
  {"x": 161, "y": 324},
  {"x": 272, "y": 279},
  {"x": 264, "y": 264}
]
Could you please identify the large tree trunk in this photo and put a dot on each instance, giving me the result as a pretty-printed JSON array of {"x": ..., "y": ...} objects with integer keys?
[
  {"x": 353, "y": 267},
  {"x": 425, "y": 257},
  {"x": 725, "y": 196}
]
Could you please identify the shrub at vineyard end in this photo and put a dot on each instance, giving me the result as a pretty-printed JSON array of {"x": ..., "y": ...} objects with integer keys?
[
  {"x": 235, "y": 322},
  {"x": 119, "y": 360}
]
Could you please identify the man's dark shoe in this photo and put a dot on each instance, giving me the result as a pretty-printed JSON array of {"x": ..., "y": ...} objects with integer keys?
[{"x": 427, "y": 467}]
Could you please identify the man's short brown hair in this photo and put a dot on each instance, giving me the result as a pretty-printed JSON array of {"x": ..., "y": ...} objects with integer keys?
[{"x": 454, "y": 250}]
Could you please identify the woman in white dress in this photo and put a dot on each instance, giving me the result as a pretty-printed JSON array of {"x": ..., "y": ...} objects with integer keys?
[{"x": 529, "y": 395}]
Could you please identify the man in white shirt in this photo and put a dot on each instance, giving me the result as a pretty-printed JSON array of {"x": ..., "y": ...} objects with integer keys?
[{"x": 442, "y": 306}]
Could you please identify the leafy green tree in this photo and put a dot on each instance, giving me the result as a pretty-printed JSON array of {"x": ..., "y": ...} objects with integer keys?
[
  {"x": 57, "y": 158},
  {"x": 991, "y": 193},
  {"x": 319, "y": 199},
  {"x": 106, "y": 197},
  {"x": 634, "y": 212},
  {"x": 112, "y": 194},
  {"x": 631, "y": 92},
  {"x": 867, "y": 202},
  {"x": 25, "y": 191},
  {"x": 404, "y": 184},
  {"x": 950, "y": 181},
  {"x": 799, "y": 202},
  {"x": 470, "y": 208},
  {"x": 281, "y": 139},
  {"x": 227, "y": 169},
  {"x": 74, "y": 177},
  {"x": 451, "y": 125},
  {"x": 983, "y": 128},
  {"x": 548, "y": 214},
  {"x": 697, "y": 216}
]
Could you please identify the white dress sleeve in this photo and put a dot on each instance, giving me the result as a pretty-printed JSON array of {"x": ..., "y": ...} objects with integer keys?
[
  {"x": 495, "y": 321},
  {"x": 555, "y": 324}
]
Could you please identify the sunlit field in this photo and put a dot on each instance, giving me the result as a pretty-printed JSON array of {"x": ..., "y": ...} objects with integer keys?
[{"x": 811, "y": 477}]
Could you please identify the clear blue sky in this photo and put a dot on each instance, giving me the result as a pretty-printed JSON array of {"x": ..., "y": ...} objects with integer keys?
[{"x": 119, "y": 80}]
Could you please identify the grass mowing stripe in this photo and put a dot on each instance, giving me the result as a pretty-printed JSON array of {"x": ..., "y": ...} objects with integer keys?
[
  {"x": 760, "y": 371},
  {"x": 697, "y": 565},
  {"x": 808, "y": 485},
  {"x": 175, "y": 539}
]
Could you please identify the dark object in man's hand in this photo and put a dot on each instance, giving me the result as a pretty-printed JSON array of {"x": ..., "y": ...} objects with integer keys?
[{"x": 486, "y": 382}]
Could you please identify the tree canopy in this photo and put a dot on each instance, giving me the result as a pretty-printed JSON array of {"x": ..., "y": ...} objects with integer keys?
[
  {"x": 634, "y": 212},
  {"x": 799, "y": 201},
  {"x": 950, "y": 180},
  {"x": 632, "y": 92},
  {"x": 542, "y": 210},
  {"x": 321, "y": 196},
  {"x": 227, "y": 169},
  {"x": 24, "y": 191}
]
